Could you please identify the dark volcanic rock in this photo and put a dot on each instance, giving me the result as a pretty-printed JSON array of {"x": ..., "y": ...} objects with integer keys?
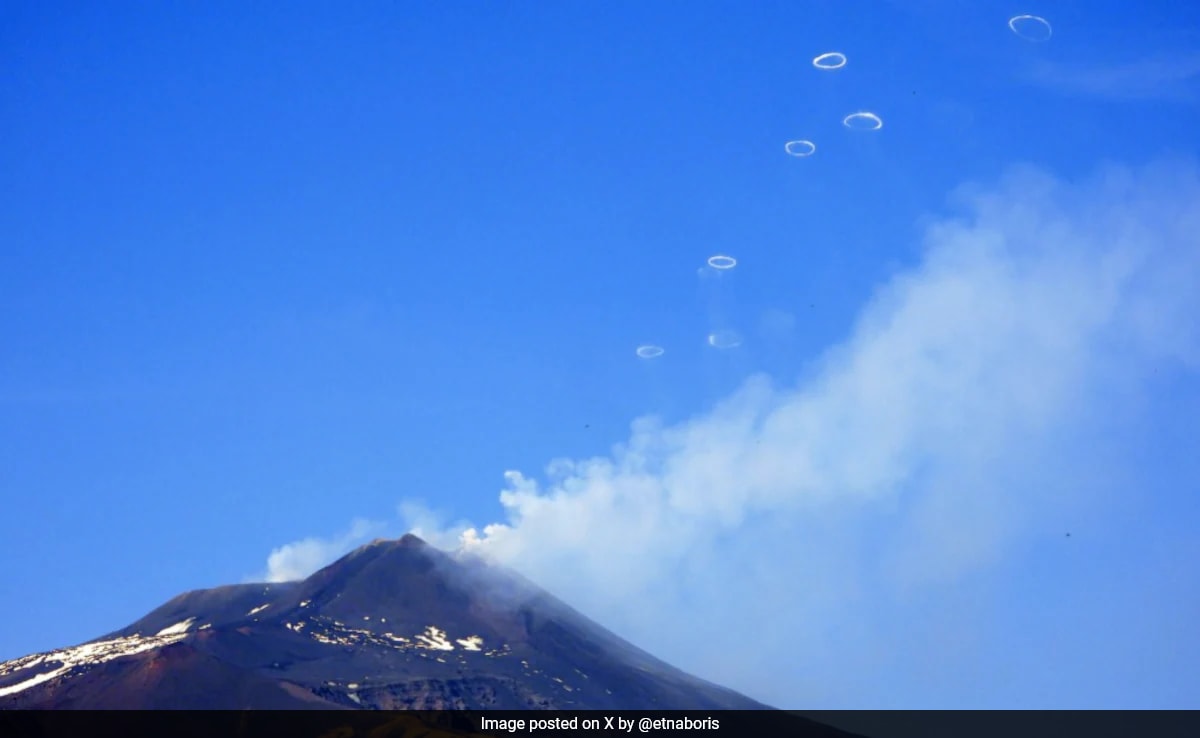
[{"x": 392, "y": 625}]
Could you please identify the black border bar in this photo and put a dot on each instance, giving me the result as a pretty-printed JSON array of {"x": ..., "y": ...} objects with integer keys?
[{"x": 599, "y": 724}]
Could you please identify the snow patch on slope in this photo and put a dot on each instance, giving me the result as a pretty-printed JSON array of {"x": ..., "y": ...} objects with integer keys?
[
  {"x": 177, "y": 628},
  {"x": 435, "y": 638},
  {"x": 89, "y": 654},
  {"x": 471, "y": 643}
]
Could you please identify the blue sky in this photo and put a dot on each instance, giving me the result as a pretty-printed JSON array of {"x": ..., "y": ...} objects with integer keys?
[{"x": 267, "y": 273}]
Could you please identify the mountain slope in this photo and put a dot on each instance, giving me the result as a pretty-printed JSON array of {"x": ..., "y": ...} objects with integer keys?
[{"x": 392, "y": 625}]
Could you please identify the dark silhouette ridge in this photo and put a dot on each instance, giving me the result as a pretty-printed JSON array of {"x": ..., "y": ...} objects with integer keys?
[{"x": 394, "y": 624}]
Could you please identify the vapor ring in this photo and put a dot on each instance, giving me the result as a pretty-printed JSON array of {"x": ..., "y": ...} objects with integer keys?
[{"x": 830, "y": 60}]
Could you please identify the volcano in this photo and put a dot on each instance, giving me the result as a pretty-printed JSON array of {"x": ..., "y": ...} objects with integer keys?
[{"x": 395, "y": 624}]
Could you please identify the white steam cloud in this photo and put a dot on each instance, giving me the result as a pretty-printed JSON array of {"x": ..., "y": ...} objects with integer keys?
[
  {"x": 298, "y": 559},
  {"x": 862, "y": 538}
]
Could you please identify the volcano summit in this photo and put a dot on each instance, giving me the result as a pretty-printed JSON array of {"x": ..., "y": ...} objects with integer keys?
[{"x": 395, "y": 624}]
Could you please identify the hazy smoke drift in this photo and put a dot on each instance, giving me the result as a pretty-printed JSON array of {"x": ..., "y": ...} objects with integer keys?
[{"x": 978, "y": 397}]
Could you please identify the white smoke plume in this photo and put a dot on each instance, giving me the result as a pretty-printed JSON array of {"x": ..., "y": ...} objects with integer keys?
[
  {"x": 298, "y": 559},
  {"x": 867, "y": 536}
]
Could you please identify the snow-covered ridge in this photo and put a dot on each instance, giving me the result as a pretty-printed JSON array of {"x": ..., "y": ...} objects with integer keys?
[{"x": 65, "y": 660}]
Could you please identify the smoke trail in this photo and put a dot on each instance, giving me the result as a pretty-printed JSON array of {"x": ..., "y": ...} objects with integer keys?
[{"x": 847, "y": 538}]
